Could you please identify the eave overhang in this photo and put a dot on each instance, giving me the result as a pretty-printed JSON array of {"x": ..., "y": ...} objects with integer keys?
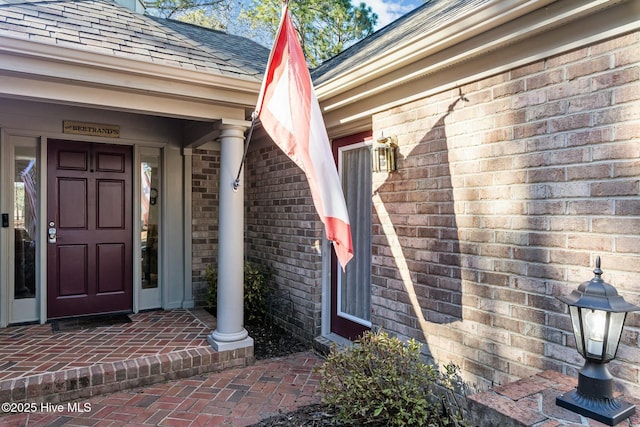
[
  {"x": 498, "y": 37},
  {"x": 56, "y": 74}
]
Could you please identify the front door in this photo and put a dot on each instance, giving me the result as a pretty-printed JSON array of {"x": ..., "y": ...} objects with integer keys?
[
  {"x": 351, "y": 289},
  {"x": 89, "y": 228}
]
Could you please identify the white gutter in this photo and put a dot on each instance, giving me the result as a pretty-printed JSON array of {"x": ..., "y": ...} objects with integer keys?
[
  {"x": 464, "y": 27},
  {"x": 47, "y": 65},
  {"x": 434, "y": 61}
]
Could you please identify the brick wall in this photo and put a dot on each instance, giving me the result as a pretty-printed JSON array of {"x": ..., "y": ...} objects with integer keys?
[
  {"x": 502, "y": 202},
  {"x": 205, "y": 184},
  {"x": 283, "y": 232}
]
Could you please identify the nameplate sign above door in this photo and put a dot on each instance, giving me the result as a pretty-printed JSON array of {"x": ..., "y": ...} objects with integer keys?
[{"x": 91, "y": 129}]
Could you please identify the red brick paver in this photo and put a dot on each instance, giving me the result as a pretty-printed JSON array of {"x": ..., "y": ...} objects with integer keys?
[
  {"x": 37, "y": 365},
  {"x": 236, "y": 397},
  {"x": 34, "y": 349}
]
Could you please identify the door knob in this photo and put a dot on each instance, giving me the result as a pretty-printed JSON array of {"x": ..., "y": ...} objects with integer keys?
[{"x": 52, "y": 232}]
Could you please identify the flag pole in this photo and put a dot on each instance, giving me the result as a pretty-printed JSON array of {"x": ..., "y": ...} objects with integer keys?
[
  {"x": 247, "y": 140},
  {"x": 254, "y": 116}
]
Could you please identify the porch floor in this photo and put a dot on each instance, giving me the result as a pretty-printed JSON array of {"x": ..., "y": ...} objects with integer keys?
[
  {"x": 157, "y": 370},
  {"x": 37, "y": 364}
]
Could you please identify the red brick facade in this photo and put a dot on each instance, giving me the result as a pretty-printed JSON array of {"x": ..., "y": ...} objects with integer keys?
[
  {"x": 501, "y": 202},
  {"x": 284, "y": 231},
  {"x": 204, "y": 226}
]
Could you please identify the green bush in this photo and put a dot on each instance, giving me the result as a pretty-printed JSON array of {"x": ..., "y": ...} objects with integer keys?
[
  {"x": 256, "y": 288},
  {"x": 381, "y": 381}
]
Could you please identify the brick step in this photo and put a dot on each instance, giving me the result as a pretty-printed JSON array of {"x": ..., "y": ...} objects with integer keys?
[{"x": 84, "y": 382}]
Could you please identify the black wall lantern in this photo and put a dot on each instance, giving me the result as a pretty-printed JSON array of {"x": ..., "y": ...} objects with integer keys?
[
  {"x": 597, "y": 315},
  {"x": 383, "y": 154}
]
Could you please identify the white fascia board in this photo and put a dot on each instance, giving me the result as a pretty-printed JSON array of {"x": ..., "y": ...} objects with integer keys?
[
  {"x": 430, "y": 42},
  {"x": 41, "y": 62},
  {"x": 393, "y": 68},
  {"x": 554, "y": 30},
  {"x": 69, "y": 93}
]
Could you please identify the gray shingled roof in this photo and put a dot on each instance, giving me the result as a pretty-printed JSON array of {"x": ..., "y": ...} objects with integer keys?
[
  {"x": 428, "y": 17},
  {"x": 105, "y": 27}
]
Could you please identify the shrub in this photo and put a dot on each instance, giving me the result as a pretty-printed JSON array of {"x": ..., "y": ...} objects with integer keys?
[
  {"x": 381, "y": 381},
  {"x": 256, "y": 288}
]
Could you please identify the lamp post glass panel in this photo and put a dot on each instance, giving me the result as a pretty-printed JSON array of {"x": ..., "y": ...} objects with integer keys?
[{"x": 597, "y": 316}]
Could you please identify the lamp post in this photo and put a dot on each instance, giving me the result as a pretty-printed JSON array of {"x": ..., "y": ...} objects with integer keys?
[{"x": 597, "y": 316}]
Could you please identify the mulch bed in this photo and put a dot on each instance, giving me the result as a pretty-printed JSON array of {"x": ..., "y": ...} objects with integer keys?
[
  {"x": 307, "y": 416},
  {"x": 272, "y": 341}
]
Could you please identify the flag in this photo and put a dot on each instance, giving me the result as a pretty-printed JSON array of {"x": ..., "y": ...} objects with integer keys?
[{"x": 290, "y": 114}]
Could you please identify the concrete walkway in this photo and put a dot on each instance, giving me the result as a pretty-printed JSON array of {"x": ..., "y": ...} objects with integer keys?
[{"x": 235, "y": 397}]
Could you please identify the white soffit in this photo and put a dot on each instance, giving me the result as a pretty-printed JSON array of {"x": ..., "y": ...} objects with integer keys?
[
  {"x": 501, "y": 36},
  {"x": 457, "y": 30},
  {"x": 31, "y": 70}
]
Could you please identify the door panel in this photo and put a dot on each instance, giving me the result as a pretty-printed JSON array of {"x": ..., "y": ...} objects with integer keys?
[
  {"x": 111, "y": 265},
  {"x": 111, "y": 204},
  {"x": 72, "y": 194},
  {"x": 72, "y": 275},
  {"x": 89, "y": 262},
  {"x": 110, "y": 162},
  {"x": 72, "y": 160}
]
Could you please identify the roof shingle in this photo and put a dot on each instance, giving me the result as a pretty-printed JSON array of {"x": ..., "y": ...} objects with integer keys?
[
  {"x": 104, "y": 27},
  {"x": 432, "y": 15}
]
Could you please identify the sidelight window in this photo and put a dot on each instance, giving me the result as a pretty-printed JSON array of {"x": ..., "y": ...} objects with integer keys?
[
  {"x": 150, "y": 216},
  {"x": 25, "y": 221}
]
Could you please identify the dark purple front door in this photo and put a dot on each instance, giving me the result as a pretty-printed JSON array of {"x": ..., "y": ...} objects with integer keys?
[{"x": 89, "y": 224}]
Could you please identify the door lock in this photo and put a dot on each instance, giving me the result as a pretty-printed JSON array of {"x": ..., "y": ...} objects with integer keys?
[{"x": 52, "y": 232}]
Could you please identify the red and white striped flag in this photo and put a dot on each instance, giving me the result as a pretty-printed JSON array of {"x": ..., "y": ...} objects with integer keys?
[{"x": 290, "y": 114}]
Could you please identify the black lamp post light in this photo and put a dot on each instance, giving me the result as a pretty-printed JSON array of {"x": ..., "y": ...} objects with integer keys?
[{"x": 597, "y": 315}]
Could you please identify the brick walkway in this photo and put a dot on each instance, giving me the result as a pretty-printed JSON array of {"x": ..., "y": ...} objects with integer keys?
[
  {"x": 35, "y": 349},
  {"x": 236, "y": 397},
  {"x": 40, "y": 365}
]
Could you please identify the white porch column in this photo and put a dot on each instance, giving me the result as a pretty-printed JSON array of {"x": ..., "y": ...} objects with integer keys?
[{"x": 230, "y": 333}]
